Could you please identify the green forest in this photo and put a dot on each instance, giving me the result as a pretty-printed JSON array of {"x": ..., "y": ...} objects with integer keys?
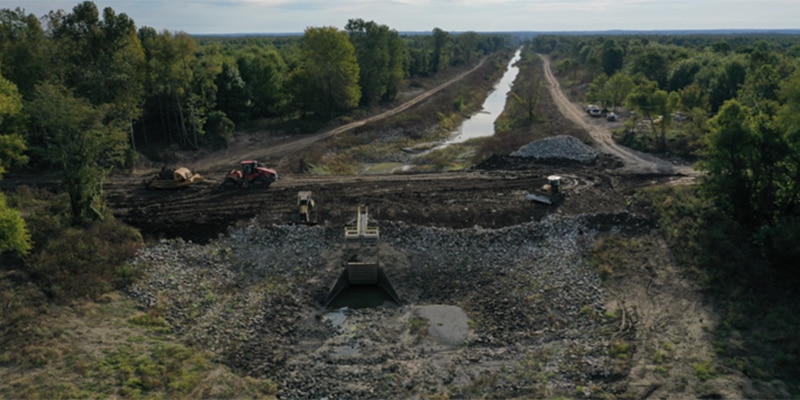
[
  {"x": 730, "y": 103},
  {"x": 86, "y": 90}
]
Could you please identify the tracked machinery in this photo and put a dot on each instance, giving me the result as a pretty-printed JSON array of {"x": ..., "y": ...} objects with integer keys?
[
  {"x": 550, "y": 193},
  {"x": 173, "y": 179},
  {"x": 361, "y": 264},
  {"x": 251, "y": 174}
]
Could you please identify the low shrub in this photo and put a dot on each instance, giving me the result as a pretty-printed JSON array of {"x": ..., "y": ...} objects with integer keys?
[{"x": 86, "y": 262}]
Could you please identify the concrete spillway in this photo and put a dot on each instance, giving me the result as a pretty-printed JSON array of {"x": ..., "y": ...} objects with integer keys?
[{"x": 361, "y": 264}]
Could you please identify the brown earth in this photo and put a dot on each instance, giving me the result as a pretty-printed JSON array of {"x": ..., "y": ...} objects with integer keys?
[
  {"x": 490, "y": 195},
  {"x": 662, "y": 313}
]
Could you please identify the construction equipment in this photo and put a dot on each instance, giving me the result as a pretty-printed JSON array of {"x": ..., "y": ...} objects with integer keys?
[
  {"x": 306, "y": 208},
  {"x": 172, "y": 179},
  {"x": 252, "y": 173},
  {"x": 361, "y": 259},
  {"x": 550, "y": 193}
]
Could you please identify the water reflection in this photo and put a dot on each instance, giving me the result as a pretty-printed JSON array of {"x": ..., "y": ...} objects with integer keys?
[{"x": 482, "y": 123}]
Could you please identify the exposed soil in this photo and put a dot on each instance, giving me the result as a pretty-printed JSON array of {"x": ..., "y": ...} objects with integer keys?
[{"x": 655, "y": 309}]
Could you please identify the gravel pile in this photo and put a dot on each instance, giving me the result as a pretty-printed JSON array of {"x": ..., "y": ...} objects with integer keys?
[
  {"x": 253, "y": 297},
  {"x": 558, "y": 148}
]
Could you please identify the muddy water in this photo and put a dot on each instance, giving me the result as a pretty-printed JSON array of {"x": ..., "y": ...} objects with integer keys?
[{"x": 482, "y": 123}]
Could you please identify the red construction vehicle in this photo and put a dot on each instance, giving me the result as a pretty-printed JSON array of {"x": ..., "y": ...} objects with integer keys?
[{"x": 252, "y": 173}]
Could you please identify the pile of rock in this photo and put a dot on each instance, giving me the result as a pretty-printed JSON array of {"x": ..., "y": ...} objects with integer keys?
[
  {"x": 252, "y": 296},
  {"x": 558, "y": 149}
]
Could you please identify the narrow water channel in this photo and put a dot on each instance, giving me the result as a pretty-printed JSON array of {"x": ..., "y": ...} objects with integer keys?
[{"x": 481, "y": 124}]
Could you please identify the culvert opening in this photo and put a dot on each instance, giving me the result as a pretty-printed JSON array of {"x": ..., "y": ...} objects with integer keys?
[
  {"x": 363, "y": 286},
  {"x": 362, "y": 283}
]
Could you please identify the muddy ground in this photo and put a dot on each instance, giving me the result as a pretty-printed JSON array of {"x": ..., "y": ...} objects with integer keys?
[{"x": 640, "y": 335}]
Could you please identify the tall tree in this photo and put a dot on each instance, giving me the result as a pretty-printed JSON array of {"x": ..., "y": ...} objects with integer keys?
[
  {"x": 656, "y": 106},
  {"x": 101, "y": 60},
  {"x": 13, "y": 233},
  {"x": 264, "y": 72},
  {"x": 441, "y": 50},
  {"x": 617, "y": 89},
  {"x": 12, "y": 144},
  {"x": 381, "y": 60},
  {"x": 731, "y": 147},
  {"x": 171, "y": 73},
  {"x": 329, "y": 65},
  {"x": 24, "y": 50},
  {"x": 612, "y": 57},
  {"x": 80, "y": 142}
]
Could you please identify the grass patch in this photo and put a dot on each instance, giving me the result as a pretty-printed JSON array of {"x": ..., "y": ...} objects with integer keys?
[
  {"x": 613, "y": 255},
  {"x": 620, "y": 350},
  {"x": 704, "y": 370},
  {"x": 418, "y": 328},
  {"x": 109, "y": 350}
]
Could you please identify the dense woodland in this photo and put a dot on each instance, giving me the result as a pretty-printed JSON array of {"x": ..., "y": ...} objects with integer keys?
[
  {"x": 85, "y": 90},
  {"x": 731, "y": 102}
]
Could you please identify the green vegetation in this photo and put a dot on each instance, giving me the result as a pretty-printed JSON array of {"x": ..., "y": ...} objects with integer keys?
[
  {"x": 94, "y": 353},
  {"x": 418, "y": 328},
  {"x": 754, "y": 297}
]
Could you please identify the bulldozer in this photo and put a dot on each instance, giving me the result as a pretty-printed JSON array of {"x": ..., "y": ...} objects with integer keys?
[
  {"x": 550, "y": 193},
  {"x": 361, "y": 265},
  {"x": 306, "y": 208},
  {"x": 173, "y": 179}
]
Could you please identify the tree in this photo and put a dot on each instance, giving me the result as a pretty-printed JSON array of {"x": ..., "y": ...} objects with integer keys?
[
  {"x": 101, "y": 60},
  {"x": 80, "y": 142},
  {"x": 726, "y": 82},
  {"x": 264, "y": 72},
  {"x": 13, "y": 233},
  {"x": 611, "y": 57},
  {"x": 170, "y": 68},
  {"x": 731, "y": 146},
  {"x": 329, "y": 65},
  {"x": 381, "y": 60},
  {"x": 617, "y": 88},
  {"x": 652, "y": 64},
  {"x": 24, "y": 50},
  {"x": 565, "y": 66},
  {"x": 441, "y": 50},
  {"x": 12, "y": 145},
  {"x": 657, "y": 107}
]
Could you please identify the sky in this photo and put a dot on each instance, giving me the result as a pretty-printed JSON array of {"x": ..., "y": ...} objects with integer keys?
[{"x": 294, "y": 16}]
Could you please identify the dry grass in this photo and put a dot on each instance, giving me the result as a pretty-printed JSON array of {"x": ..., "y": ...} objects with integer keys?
[{"x": 102, "y": 350}]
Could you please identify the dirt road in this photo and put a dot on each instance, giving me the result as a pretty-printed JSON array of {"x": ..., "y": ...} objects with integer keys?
[
  {"x": 635, "y": 162},
  {"x": 490, "y": 197},
  {"x": 259, "y": 151}
]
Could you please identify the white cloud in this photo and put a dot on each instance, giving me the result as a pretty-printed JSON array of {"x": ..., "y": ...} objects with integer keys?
[{"x": 238, "y": 16}]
